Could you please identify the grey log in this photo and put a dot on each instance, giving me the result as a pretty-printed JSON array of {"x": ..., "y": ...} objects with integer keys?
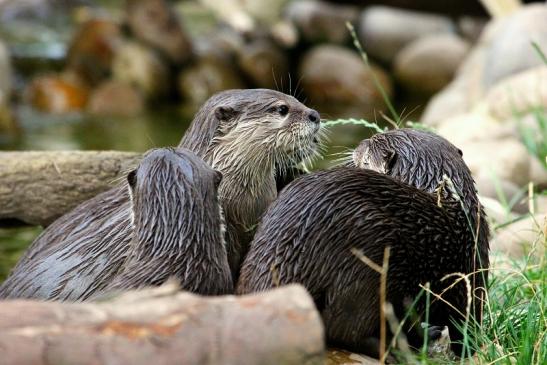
[
  {"x": 38, "y": 187},
  {"x": 162, "y": 326}
]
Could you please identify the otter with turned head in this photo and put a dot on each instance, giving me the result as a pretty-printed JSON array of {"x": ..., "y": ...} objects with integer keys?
[{"x": 396, "y": 197}]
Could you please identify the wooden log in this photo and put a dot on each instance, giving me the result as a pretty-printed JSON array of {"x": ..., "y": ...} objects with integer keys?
[
  {"x": 163, "y": 326},
  {"x": 38, "y": 187}
]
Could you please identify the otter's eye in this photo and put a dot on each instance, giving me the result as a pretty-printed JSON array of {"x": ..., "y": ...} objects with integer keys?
[{"x": 283, "y": 110}]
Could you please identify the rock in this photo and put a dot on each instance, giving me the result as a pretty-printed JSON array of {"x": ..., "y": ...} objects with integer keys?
[
  {"x": 518, "y": 94},
  {"x": 461, "y": 94},
  {"x": 540, "y": 204},
  {"x": 141, "y": 67},
  {"x": 343, "y": 357},
  {"x": 495, "y": 211},
  {"x": 507, "y": 193},
  {"x": 510, "y": 40},
  {"x": 338, "y": 82},
  {"x": 506, "y": 159},
  {"x": 58, "y": 94},
  {"x": 156, "y": 24},
  {"x": 263, "y": 63},
  {"x": 473, "y": 127},
  {"x": 207, "y": 76},
  {"x": 384, "y": 31},
  {"x": 471, "y": 27},
  {"x": 428, "y": 64},
  {"x": 92, "y": 49},
  {"x": 521, "y": 238},
  {"x": 319, "y": 21},
  {"x": 538, "y": 173},
  {"x": 115, "y": 98}
]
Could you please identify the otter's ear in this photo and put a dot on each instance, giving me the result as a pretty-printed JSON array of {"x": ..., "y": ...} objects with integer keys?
[
  {"x": 390, "y": 158},
  {"x": 132, "y": 178},
  {"x": 224, "y": 113},
  {"x": 218, "y": 178},
  {"x": 460, "y": 152}
]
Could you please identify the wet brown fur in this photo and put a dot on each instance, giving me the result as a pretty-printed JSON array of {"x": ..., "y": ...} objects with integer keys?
[
  {"x": 240, "y": 133},
  {"x": 307, "y": 234}
]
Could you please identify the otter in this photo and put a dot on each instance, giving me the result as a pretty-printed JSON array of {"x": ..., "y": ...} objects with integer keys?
[
  {"x": 394, "y": 196},
  {"x": 251, "y": 136},
  {"x": 178, "y": 227}
]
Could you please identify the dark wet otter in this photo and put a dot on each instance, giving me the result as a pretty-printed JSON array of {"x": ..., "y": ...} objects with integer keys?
[
  {"x": 250, "y": 136},
  {"x": 307, "y": 234},
  {"x": 178, "y": 228}
]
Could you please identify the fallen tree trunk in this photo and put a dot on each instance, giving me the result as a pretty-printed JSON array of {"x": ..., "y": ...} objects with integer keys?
[
  {"x": 163, "y": 326},
  {"x": 38, "y": 187}
]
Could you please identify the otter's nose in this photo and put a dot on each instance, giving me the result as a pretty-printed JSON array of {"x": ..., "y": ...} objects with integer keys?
[{"x": 314, "y": 117}]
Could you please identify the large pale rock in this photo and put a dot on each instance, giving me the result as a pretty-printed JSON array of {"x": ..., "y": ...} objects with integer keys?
[
  {"x": 338, "y": 82},
  {"x": 141, "y": 66},
  {"x": 495, "y": 211},
  {"x": 384, "y": 31},
  {"x": 521, "y": 238},
  {"x": 460, "y": 95},
  {"x": 506, "y": 159},
  {"x": 519, "y": 94},
  {"x": 155, "y": 23},
  {"x": 473, "y": 127},
  {"x": 506, "y": 192},
  {"x": 320, "y": 21},
  {"x": 511, "y": 41},
  {"x": 429, "y": 63},
  {"x": 538, "y": 172}
]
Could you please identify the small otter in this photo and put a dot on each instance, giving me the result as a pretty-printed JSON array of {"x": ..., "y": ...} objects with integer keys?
[
  {"x": 177, "y": 226},
  {"x": 307, "y": 234},
  {"x": 251, "y": 136}
]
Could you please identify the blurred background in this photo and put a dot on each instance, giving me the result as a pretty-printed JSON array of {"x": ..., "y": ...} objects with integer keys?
[{"x": 129, "y": 75}]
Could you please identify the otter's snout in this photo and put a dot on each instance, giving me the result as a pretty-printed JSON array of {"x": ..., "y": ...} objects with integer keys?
[{"x": 314, "y": 117}]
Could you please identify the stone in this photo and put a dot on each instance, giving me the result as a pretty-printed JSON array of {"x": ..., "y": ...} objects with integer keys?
[
  {"x": 384, "y": 30},
  {"x": 519, "y": 94},
  {"x": 510, "y": 39},
  {"x": 117, "y": 98},
  {"x": 320, "y": 21},
  {"x": 511, "y": 196},
  {"x": 495, "y": 211},
  {"x": 141, "y": 66},
  {"x": 58, "y": 94},
  {"x": 472, "y": 127},
  {"x": 428, "y": 64},
  {"x": 207, "y": 76},
  {"x": 471, "y": 27},
  {"x": 92, "y": 49},
  {"x": 155, "y": 23},
  {"x": 506, "y": 159},
  {"x": 538, "y": 172},
  {"x": 263, "y": 63},
  {"x": 521, "y": 238},
  {"x": 337, "y": 82}
]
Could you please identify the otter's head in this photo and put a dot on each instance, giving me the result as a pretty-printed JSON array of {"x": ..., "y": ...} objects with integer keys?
[
  {"x": 417, "y": 158},
  {"x": 174, "y": 200},
  {"x": 258, "y": 127}
]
